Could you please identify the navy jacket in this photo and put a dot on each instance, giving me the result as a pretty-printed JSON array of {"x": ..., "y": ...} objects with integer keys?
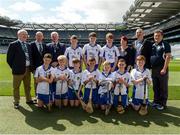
[
  {"x": 16, "y": 58},
  {"x": 37, "y": 57},
  {"x": 60, "y": 50}
]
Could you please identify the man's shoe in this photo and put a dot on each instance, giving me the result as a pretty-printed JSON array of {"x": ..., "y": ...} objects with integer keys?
[
  {"x": 31, "y": 102},
  {"x": 154, "y": 105},
  {"x": 160, "y": 107},
  {"x": 16, "y": 106}
]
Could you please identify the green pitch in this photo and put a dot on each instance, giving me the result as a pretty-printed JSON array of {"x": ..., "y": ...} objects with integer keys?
[
  {"x": 6, "y": 80},
  {"x": 30, "y": 120}
]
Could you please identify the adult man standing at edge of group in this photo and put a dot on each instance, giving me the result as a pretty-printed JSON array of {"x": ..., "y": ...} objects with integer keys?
[
  {"x": 20, "y": 61},
  {"x": 55, "y": 48},
  {"x": 143, "y": 47},
  {"x": 160, "y": 58}
]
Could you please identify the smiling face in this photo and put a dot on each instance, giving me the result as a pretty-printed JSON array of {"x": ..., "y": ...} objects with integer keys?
[
  {"x": 23, "y": 35},
  {"x": 62, "y": 63},
  {"x": 121, "y": 65},
  {"x": 47, "y": 61},
  {"x": 139, "y": 34},
  {"x": 140, "y": 63},
  {"x": 92, "y": 39},
  {"x": 158, "y": 36},
  {"x": 55, "y": 37},
  {"x": 39, "y": 36},
  {"x": 74, "y": 42},
  {"x": 76, "y": 65}
]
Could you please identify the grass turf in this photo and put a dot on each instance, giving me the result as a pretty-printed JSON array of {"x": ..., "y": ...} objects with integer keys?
[{"x": 30, "y": 120}]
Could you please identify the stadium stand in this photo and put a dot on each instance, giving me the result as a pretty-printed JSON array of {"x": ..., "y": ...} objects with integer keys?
[{"x": 149, "y": 15}]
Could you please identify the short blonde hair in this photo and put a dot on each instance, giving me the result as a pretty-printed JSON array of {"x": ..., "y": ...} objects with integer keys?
[
  {"x": 140, "y": 57},
  {"x": 62, "y": 58},
  {"x": 106, "y": 63},
  {"x": 109, "y": 35}
]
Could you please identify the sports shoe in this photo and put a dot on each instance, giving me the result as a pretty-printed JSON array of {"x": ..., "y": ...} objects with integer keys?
[
  {"x": 16, "y": 106},
  {"x": 160, "y": 107},
  {"x": 31, "y": 102},
  {"x": 154, "y": 105}
]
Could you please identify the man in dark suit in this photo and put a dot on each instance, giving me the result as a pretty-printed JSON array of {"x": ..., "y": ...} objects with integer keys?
[
  {"x": 20, "y": 61},
  {"x": 143, "y": 47},
  {"x": 38, "y": 49},
  {"x": 55, "y": 48}
]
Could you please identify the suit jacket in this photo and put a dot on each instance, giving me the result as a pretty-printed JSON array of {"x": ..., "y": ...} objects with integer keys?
[
  {"x": 16, "y": 57},
  {"x": 37, "y": 57},
  {"x": 55, "y": 53},
  {"x": 146, "y": 50}
]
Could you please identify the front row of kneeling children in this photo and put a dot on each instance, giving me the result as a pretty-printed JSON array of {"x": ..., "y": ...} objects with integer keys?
[{"x": 104, "y": 89}]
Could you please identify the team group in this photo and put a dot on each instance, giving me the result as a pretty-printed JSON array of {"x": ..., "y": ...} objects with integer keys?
[{"x": 59, "y": 79}]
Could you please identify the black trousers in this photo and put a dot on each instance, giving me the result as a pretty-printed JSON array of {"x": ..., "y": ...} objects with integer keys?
[{"x": 160, "y": 86}]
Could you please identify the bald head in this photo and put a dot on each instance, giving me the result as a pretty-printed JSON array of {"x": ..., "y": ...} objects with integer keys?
[
  {"x": 22, "y": 35},
  {"x": 54, "y": 37},
  {"x": 39, "y": 36},
  {"x": 139, "y": 34}
]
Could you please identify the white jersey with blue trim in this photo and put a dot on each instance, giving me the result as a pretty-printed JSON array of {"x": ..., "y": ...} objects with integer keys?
[
  {"x": 76, "y": 79},
  {"x": 105, "y": 77},
  {"x": 71, "y": 53},
  {"x": 92, "y": 51},
  {"x": 87, "y": 74},
  {"x": 43, "y": 87},
  {"x": 110, "y": 54},
  {"x": 121, "y": 88},
  {"x": 62, "y": 86},
  {"x": 139, "y": 88}
]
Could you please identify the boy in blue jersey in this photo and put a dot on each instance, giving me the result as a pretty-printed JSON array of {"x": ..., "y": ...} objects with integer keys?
[
  {"x": 110, "y": 52},
  {"x": 122, "y": 78},
  {"x": 106, "y": 81},
  {"x": 92, "y": 49},
  {"x": 62, "y": 77},
  {"x": 90, "y": 79},
  {"x": 74, "y": 51},
  {"x": 141, "y": 78},
  {"x": 75, "y": 83},
  {"x": 44, "y": 77}
]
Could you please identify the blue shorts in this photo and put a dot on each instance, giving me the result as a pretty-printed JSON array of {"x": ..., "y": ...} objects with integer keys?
[
  {"x": 137, "y": 101},
  {"x": 105, "y": 98},
  {"x": 71, "y": 94},
  {"x": 61, "y": 96},
  {"x": 124, "y": 100},
  {"x": 45, "y": 98},
  {"x": 94, "y": 95}
]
